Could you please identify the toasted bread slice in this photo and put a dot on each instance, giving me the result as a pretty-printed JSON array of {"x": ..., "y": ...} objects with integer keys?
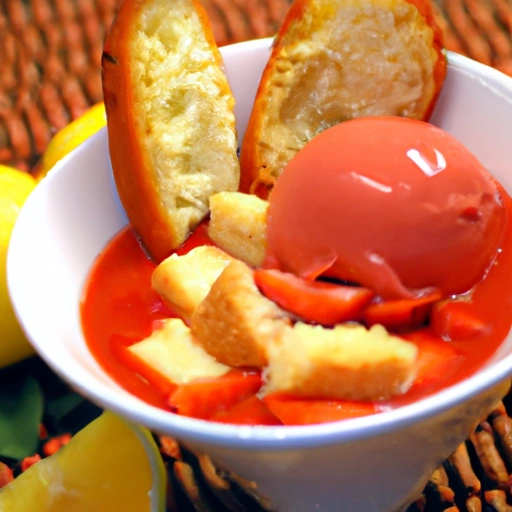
[
  {"x": 172, "y": 353},
  {"x": 337, "y": 60},
  {"x": 184, "y": 281},
  {"x": 235, "y": 323},
  {"x": 171, "y": 126},
  {"x": 238, "y": 224},
  {"x": 347, "y": 362}
]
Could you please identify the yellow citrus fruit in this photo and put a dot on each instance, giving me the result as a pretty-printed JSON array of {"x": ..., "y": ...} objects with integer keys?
[
  {"x": 109, "y": 466},
  {"x": 15, "y": 186},
  {"x": 71, "y": 136}
]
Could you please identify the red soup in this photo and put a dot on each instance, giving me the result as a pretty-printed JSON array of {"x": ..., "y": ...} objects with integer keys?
[{"x": 119, "y": 308}]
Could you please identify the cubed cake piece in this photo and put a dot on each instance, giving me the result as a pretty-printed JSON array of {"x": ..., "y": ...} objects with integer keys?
[
  {"x": 172, "y": 353},
  {"x": 235, "y": 323},
  {"x": 347, "y": 362},
  {"x": 238, "y": 224},
  {"x": 184, "y": 281}
]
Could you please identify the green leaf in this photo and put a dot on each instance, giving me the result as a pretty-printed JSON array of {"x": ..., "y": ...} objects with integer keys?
[
  {"x": 21, "y": 412},
  {"x": 63, "y": 405}
]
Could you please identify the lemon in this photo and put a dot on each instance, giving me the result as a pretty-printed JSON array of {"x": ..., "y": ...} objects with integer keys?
[
  {"x": 109, "y": 466},
  {"x": 15, "y": 186},
  {"x": 71, "y": 136}
]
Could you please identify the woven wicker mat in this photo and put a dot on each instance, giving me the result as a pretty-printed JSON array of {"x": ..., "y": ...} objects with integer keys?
[
  {"x": 50, "y": 74},
  {"x": 50, "y": 55}
]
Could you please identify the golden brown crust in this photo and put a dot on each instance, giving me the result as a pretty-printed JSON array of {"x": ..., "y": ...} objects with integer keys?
[
  {"x": 235, "y": 323},
  {"x": 175, "y": 356},
  {"x": 334, "y": 61},
  {"x": 170, "y": 118},
  {"x": 347, "y": 362},
  {"x": 184, "y": 281},
  {"x": 238, "y": 225}
]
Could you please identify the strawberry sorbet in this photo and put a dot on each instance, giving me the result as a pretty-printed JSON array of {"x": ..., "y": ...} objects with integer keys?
[{"x": 394, "y": 204}]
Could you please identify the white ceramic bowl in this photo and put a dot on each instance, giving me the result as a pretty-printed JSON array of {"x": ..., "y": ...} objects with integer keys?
[{"x": 367, "y": 464}]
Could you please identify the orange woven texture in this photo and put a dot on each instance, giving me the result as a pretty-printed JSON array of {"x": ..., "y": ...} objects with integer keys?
[{"x": 50, "y": 55}]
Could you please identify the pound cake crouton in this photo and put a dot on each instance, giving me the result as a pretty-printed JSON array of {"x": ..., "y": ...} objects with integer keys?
[
  {"x": 171, "y": 125},
  {"x": 235, "y": 323},
  {"x": 347, "y": 362},
  {"x": 238, "y": 224},
  {"x": 335, "y": 60},
  {"x": 184, "y": 281},
  {"x": 171, "y": 352}
]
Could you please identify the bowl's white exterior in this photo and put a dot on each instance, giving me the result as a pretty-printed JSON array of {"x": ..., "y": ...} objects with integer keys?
[{"x": 367, "y": 464}]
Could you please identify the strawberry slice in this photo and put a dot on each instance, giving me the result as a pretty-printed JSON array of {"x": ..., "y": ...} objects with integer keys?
[
  {"x": 456, "y": 320},
  {"x": 313, "y": 301},
  {"x": 401, "y": 313},
  {"x": 308, "y": 411},
  {"x": 436, "y": 358},
  {"x": 204, "y": 398},
  {"x": 251, "y": 411}
]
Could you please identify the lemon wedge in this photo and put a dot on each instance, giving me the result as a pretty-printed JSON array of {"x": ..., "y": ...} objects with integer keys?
[
  {"x": 71, "y": 136},
  {"x": 15, "y": 187},
  {"x": 109, "y": 466}
]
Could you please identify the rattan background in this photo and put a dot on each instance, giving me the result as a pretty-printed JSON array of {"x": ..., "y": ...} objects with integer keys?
[
  {"x": 50, "y": 74},
  {"x": 50, "y": 55}
]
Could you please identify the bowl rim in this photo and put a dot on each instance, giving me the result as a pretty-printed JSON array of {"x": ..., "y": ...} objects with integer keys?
[{"x": 269, "y": 438}]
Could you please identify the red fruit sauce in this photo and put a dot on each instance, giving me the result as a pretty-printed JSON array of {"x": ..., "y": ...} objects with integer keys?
[{"x": 119, "y": 308}]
